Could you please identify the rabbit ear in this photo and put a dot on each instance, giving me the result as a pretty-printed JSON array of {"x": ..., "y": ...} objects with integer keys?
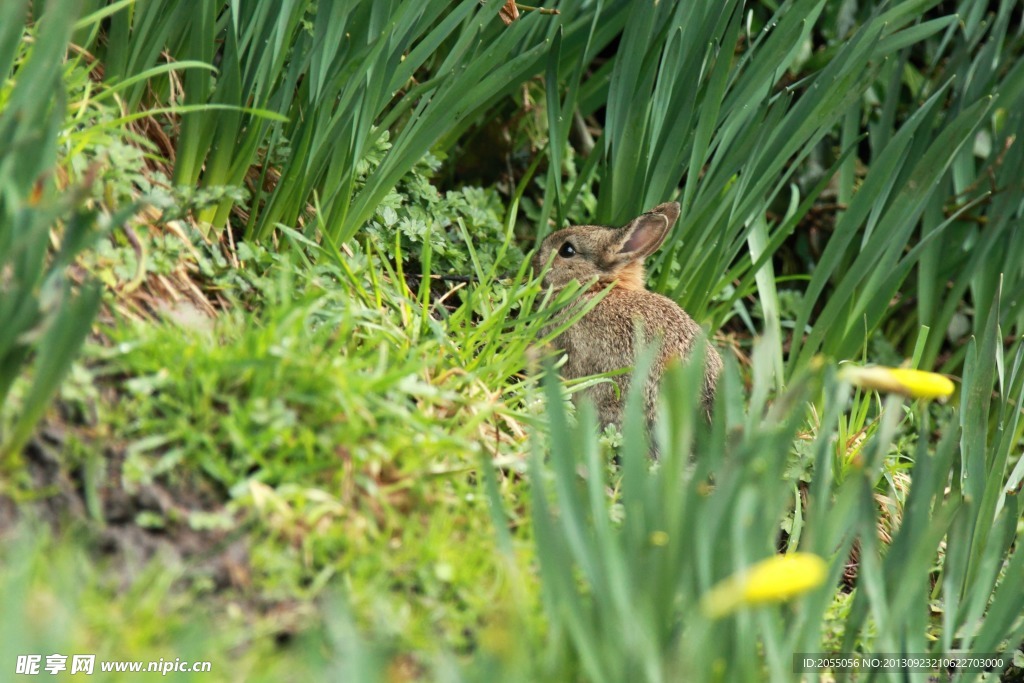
[{"x": 645, "y": 233}]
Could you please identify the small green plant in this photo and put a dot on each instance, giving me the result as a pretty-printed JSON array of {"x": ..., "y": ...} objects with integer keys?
[{"x": 416, "y": 212}]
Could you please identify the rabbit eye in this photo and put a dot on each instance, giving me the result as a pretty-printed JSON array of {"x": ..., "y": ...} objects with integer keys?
[{"x": 567, "y": 250}]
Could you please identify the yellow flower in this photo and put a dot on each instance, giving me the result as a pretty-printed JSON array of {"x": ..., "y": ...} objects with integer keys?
[
  {"x": 659, "y": 538},
  {"x": 773, "y": 580},
  {"x": 912, "y": 383}
]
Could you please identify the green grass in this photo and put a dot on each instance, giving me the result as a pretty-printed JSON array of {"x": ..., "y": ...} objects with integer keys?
[
  {"x": 310, "y": 424},
  {"x": 45, "y": 319}
]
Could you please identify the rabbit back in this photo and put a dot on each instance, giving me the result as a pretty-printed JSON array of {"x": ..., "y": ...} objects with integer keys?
[{"x": 610, "y": 336}]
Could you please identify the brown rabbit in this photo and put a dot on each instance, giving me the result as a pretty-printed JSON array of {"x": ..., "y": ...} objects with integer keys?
[{"x": 609, "y": 336}]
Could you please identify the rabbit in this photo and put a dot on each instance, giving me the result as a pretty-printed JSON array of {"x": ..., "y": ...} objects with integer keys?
[{"x": 609, "y": 336}]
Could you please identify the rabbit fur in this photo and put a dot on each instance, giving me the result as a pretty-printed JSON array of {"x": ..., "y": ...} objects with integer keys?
[{"x": 609, "y": 337}]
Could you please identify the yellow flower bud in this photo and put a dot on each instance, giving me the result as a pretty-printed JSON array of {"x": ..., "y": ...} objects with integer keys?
[
  {"x": 912, "y": 383},
  {"x": 775, "y": 579},
  {"x": 659, "y": 538}
]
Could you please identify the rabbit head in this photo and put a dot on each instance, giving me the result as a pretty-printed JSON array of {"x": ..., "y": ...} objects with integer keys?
[{"x": 606, "y": 255}]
